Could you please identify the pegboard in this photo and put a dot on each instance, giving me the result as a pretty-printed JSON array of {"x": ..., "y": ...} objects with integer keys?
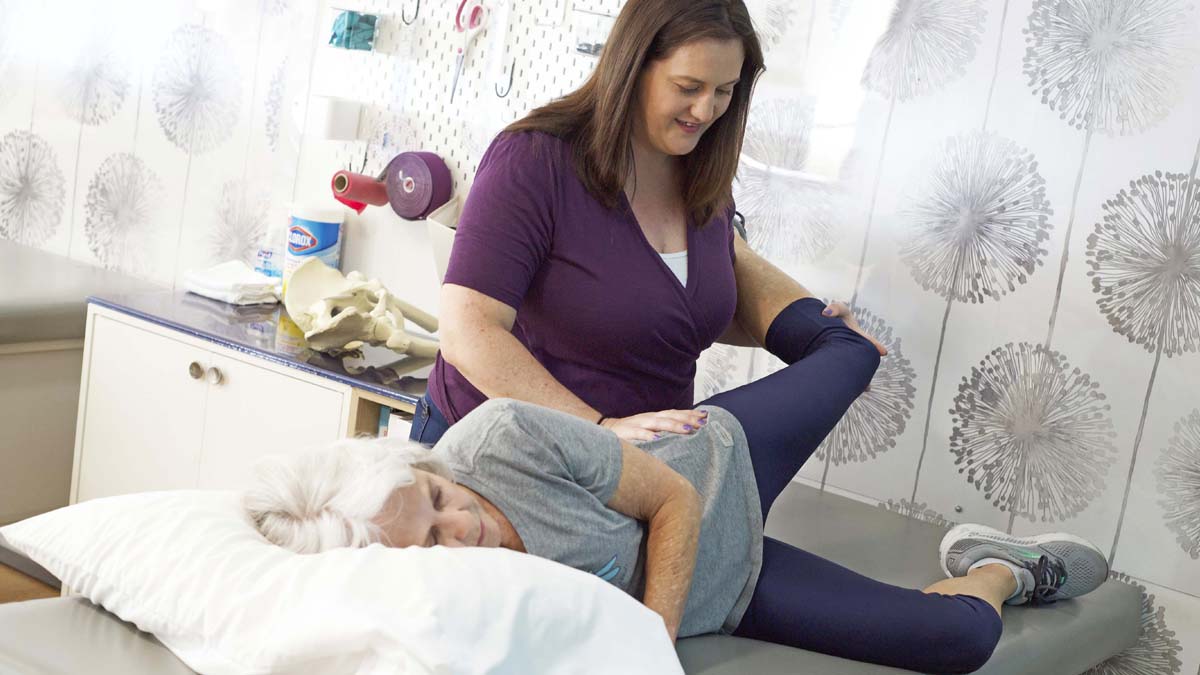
[{"x": 404, "y": 83}]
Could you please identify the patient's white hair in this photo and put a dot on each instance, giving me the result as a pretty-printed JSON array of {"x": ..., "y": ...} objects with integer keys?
[{"x": 314, "y": 501}]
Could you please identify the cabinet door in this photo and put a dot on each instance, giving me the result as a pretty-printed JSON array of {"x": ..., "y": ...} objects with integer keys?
[
  {"x": 253, "y": 411},
  {"x": 144, "y": 412}
]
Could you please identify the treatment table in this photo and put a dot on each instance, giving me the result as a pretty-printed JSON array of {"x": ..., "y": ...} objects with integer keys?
[
  {"x": 43, "y": 308},
  {"x": 67, "y": 636}
]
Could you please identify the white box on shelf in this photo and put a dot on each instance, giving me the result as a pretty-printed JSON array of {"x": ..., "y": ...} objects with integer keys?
[
  {"x": 399, "y": 424},
  {"x": 442, "y": 223}
]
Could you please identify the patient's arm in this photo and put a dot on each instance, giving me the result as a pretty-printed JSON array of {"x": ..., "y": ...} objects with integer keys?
[{"x": 651, "y": 491}]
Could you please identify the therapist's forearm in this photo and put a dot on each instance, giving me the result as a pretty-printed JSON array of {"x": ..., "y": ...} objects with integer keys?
[
  {"x": 498, "y": 365},
  {"x": 763, "y": 291}
]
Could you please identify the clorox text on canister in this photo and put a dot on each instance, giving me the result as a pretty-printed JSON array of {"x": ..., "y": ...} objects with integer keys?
[{"x": 313, "y": 231}]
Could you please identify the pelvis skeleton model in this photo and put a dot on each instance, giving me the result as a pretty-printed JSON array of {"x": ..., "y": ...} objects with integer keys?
[{"x": 342, "y": 312}]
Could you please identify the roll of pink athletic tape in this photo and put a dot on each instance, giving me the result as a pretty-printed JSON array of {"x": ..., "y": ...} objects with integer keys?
[{"x": 356, "y": 190}]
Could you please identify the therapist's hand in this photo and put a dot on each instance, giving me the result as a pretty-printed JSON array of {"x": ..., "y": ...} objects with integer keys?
[
  {"x": 842, "y": 311},
  {"x": 651, "y": 425}
]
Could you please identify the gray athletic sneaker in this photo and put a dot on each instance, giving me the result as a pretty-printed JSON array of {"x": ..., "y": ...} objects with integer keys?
[{"x": 1059, "y": 566}]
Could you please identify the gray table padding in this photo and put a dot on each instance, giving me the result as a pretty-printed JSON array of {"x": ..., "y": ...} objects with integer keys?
[
  {"x": 71, "y": 636},
  {"x": 66, "y": 636},
  {"x": 12, "y": 559},
  {"x": 43, "y": 296}
]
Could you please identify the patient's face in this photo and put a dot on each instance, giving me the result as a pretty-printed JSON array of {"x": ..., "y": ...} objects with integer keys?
[{"x": 434, "y": 511}]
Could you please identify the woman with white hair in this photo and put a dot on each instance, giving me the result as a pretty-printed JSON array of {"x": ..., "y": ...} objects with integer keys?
[{"x": 678, "y": 521}]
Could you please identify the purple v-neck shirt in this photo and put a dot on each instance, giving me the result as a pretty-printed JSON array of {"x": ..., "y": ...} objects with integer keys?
[{"x": 596, "y": 304}]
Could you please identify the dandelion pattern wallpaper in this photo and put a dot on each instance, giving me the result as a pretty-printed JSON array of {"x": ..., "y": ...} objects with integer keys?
[
  {"x": 165, "y": 137},
  {"x": 1006, "y": 192},
  {"x": 772, "y": 186},
  {"x": 31, "y": 189},
  {"x": 879, "y": 416},
  {"x": 1032, "y": 433},
  {"x": 1042, "y": 254},
  {"x": 1157, "y": 649},
  {"x": 196, "y": 89},
  {"x": 1179, "y": 481},
  {"x": 124, "y": 204}
]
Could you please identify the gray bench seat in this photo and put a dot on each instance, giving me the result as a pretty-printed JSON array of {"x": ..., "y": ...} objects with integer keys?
[
  {"x": 43, "y": 311},
  {"x": 43, "y": 296},
  {"x": 1061, "y": 639},
  {"x": 43, "y": 308},
  {"x": 65, "y": 636}
]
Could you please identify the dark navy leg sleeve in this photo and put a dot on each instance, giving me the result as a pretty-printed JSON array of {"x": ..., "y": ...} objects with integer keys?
[
  {"x": 787, "y": 414},
  {"x": 805, "y": 601},
  {"x": 801, "y": 599}
]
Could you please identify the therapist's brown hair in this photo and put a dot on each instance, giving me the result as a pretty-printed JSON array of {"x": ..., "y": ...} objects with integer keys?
[{"x": 597, "y": 119}]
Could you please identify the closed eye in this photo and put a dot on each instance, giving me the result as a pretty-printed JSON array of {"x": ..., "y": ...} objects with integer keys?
[
  {"x": 689, "y": 90},
  {"x": 436, "y": 498}
]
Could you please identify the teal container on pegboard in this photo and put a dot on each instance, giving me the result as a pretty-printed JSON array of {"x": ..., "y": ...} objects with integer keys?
[{"x": 352, "y": 30}]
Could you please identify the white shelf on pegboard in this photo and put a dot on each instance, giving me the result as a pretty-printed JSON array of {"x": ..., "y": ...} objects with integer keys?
[{"x": 405, "y": 82}]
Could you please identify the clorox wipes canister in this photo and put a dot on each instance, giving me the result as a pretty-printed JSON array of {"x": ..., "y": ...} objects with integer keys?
[{"x": 313, "y": 231}]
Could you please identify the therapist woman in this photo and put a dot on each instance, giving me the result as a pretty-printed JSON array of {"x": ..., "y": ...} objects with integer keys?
[{"x": 595, "y": 258}]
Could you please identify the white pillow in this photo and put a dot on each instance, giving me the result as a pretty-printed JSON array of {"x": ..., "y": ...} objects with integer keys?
[{"x": 189, "y": 567}]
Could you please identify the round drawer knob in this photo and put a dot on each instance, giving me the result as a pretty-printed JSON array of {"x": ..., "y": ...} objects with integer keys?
[
  {"x": 215, "y": 376},
  {"x": 195, "y": 370}
]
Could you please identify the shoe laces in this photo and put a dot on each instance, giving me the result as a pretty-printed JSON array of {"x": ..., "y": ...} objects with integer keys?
[{"x": 1049, "y": 573}]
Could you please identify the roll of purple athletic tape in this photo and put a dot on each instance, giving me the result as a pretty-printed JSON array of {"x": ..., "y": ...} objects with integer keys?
[{"x": 417, "y": 183}]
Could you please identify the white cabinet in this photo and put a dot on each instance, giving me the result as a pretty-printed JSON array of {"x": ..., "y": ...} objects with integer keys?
[
  {"x": 253, "y": 412},
  {"x": 163, "y": 410},
  {"x": 141, "y": 412}
]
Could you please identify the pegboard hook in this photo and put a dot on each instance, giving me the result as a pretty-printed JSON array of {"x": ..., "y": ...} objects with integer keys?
[
  {"x": 511, "y": 71},
  {"x": 404, "y": 15}
]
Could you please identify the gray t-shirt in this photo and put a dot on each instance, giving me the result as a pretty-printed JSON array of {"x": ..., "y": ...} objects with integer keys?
[{"x": 552, "y": 473}]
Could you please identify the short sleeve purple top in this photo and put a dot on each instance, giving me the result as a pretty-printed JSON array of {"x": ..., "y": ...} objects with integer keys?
[{"x": 596, "y": 304}]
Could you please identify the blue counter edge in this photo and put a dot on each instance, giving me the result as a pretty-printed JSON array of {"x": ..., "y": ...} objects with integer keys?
[{"x": 268, "y": 356}]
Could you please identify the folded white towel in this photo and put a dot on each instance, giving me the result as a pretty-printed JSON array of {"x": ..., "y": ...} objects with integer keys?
[
  {"x": 234, "y": 275},
  {"x": 237, "y": 298},
  {"x": 233, "y": 282}
]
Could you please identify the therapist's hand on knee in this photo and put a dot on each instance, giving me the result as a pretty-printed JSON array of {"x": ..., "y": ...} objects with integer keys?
[{"x": 651, "y": 425}]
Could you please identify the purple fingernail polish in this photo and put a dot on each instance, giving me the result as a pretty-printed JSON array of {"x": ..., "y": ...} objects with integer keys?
[
  {"x": 657, "y": 436},
  {"x": 703, "y": 422},
  {"x": 687, "y": 427}
]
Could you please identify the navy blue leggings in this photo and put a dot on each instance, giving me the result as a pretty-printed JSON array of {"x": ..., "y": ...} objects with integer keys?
[{"x": 801, "y": 599}]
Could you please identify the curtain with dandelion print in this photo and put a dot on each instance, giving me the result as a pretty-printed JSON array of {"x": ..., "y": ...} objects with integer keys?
[{"x": 1019, "y": 199}]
